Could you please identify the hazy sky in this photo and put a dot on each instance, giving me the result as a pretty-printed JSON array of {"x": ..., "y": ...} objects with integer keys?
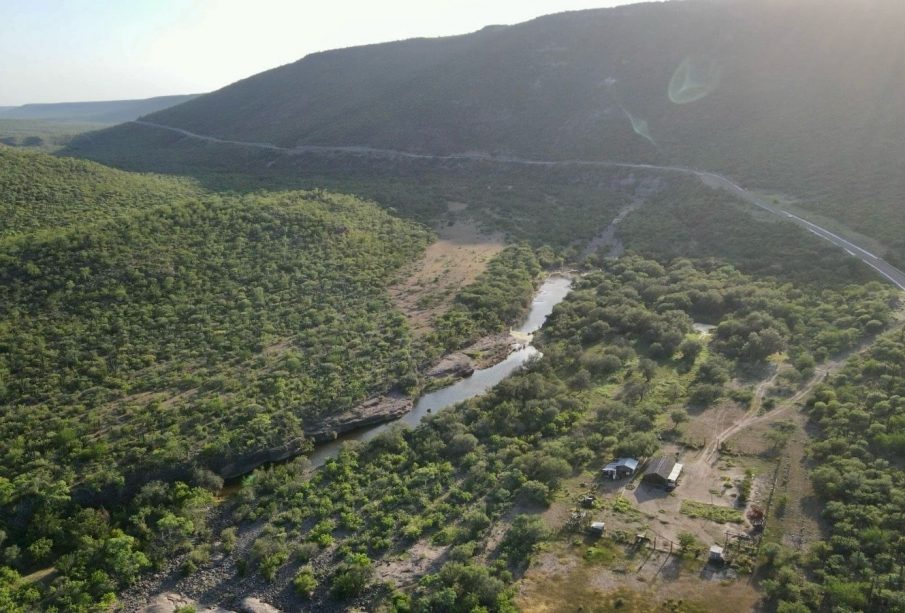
[{"x": 69, "y": 50}]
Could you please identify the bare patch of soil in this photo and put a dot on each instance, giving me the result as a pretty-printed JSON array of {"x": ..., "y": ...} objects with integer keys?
[
  {"x": 276, "y": 348},
  {"x": 561, "y": 580},
  {"x": 800, "y": 520},
  {"x": 704, "y": 427},
  {"x": 429, "y": 286},
  {"x": 633, "y": 507},
  {"x": 407, "y": 568},
  {"x": 795, "y": 510}
]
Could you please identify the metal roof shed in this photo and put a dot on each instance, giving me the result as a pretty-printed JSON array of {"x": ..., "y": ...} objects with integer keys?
[
  {"x": 623, "y": 467},
  {"x": 664, "y": 471}
]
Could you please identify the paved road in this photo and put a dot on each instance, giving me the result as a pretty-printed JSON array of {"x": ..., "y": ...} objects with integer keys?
[
  {"x": 893, "y": 274},
  {"x": 884, "y": 268}
]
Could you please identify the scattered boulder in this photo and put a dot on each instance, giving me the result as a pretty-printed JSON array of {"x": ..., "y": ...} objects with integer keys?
[
  {"x": 168, "y": 602},
  {"x": 491, "y": 349},
  {"x": 254, "y": 605},
  {"x": 452, "y": 365}
]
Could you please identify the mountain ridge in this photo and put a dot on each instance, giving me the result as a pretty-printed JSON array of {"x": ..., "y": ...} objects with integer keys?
[
  {"x": 728, "y": 87},
  {"x": 94, "y": 111}
]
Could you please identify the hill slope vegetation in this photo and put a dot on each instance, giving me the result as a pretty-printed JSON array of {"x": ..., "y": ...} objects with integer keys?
[
  {"x": 41, "y": 192},
  {"x": 149, "y": 330},
  {"x": 815, "y": 113}
]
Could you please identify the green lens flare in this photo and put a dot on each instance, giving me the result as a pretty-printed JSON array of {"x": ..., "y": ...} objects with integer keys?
[
  {"x": 641, "y": 127},
  {"x": 695, "y": 78}
]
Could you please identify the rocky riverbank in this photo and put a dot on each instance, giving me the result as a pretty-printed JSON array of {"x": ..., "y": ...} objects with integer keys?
[
  {"x": 248, "y": 463},
  {"x": 491, "y": 349},
  {"x": 481, "y": 354},
  {"x": 485, "y": 352},
  {"x": 458, "y": 365},
  {"x": 224, "y": 582},
  {"x": 371, "y": 412}
]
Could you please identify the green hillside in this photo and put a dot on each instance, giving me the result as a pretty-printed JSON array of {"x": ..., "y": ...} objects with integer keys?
[
  {"x": 41, "y": 192},
  {"x": 148, "y": 329},
  {"x": 223, "y": 308},
  {"x": 680, "y": 82}
]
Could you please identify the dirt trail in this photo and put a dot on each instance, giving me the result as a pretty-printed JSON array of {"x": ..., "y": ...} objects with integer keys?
[
  {"x": 821, "y": 373},
  {"x": 708, "y": 454},
  {"x": 608, "y": 237},
  {"x": 754, "y": 416}
]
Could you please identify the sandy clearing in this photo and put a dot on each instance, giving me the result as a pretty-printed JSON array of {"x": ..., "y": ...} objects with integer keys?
[{"x": 455, "y": 260}]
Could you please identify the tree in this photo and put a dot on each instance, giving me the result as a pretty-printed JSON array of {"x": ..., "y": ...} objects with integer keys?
[
  {"x": 635, "y": 390},
  {"x": 678, "y": 416},
  {"x": 771, "y": 553},
  {"x": 40, "y": 549},
  {"x": 523, "y": 536},
  {"x": 638, "y": 445},
  {"x": 461, "y": 444},
  {"x": 778, "y": 436},
  {"x": 647, "y": 368},
  {"x": 534, "y": 492},
  {"x": 704, "y": 394},
  {"x": 690, "y": 350},
  {"x": 551, "y": 470},
  {"x": 581, "y": 380},
  {"x": 602, "y": 364},
  {"x": 122, "y": 556}
]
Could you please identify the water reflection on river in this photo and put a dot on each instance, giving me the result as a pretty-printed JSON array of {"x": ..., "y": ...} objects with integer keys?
[{"x": 551, "y": 293}]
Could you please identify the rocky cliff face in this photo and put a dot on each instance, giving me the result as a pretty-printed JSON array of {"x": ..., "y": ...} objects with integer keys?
[
  {"x": 246, "y": 464},
  {"x": 453, "y": 365},
  {"x": 373, "y": 411}
]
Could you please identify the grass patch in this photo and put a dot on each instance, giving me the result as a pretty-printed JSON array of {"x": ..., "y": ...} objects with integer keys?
[
  {"x": 603, "y": 553},
  {"x": 621, "y": 505},
  {"x": 720, "y": 515}
]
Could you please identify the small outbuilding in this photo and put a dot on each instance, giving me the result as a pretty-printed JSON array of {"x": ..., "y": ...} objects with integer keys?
[
  {"x": 663, "y": 471},
  {"x": 620, "y": 469},
  {"x": 597, "y": 528},
  {"x": 716, "y": 554}
]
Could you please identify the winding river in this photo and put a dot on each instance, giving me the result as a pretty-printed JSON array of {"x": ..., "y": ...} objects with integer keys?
[{"x": 551, "y": 292}]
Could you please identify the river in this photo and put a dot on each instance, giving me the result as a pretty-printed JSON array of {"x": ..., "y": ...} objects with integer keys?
[{"x": 551, "y": 292}]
